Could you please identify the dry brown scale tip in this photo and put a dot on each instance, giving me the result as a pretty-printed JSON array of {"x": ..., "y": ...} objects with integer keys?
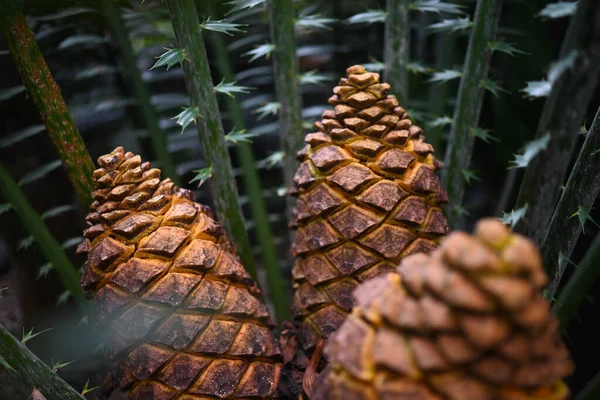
[
  {"x": 180, "y": 313},
  {"x": 465, "y": 323},
  {"x": 368, "y": 196}
]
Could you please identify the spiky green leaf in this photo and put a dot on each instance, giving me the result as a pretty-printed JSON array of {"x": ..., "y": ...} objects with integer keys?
[
  {"x": 187, "y": 116},
  {"x": 558, "y": 10},
  {"x": 5, "y": 207},
  {"x": 530, "y": 151},
  {"x": 314, "y": 22},
  {"x": 440, "y": 122},
  {"x": 202, "y": 175},
  {"x": 85, "y": 40},
  {"x": 58, "y": 365},
  {"x": 221, "y": 26},
  {"x": 40, "y": 172},
  {"x": 6, "y": 365},
  {"x": 558, "y": 67},
  {"x": 264, "y": 50},
  {"x": 229, "y": 88},
  {"x": 236, "y": 136},
  {"x": 25, "y": 243},
  {"x": 272, "y": 160},
  {"x": 87, "y": 389},
  {"x": 374, "y": 66},
  {"x": 368, "y": 17},
  {"x": 30, "y": 335},
  {"x": 469, "y": 176},
  {"x": 62, "y": 298},
  {"x": 492, "y": 87},
  {"x": 56, "y": 211},
  {"x": 445, "y": 76},
  {"x": 95, "y": 70},
  {"x": 20, "y": 135},
  {"x": 506, "y": 48},
  {"x": 7, "y": 93},
  {"x": 268, "y": 109},
  {"x": 170, "y": 58},
  {"x": 71, "y": 242},
  {"x": 514, "y": 216},
  {"x": 239, "y": 5},
  {"x": 484, "y": 134},
  {"x": 451, "y": 25},
  {"x": 417, "y": 68},
  {"x": 44, "y": 270},
  {"x": 584, "y": 215},
  {"x": 313, "y": 78},
  {"x": 536, "y": 89},
  {"x": 68, "y": 12},
  {"x": 436, "y": 6}
]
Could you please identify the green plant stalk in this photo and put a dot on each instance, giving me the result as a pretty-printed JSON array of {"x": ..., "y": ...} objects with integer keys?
[
  {"x": 264, "y": 235},
  {"x": 34, "y": 224},
  {"x": 46, "y": 96},
  {"x": 396, "y": 53},
  {"x": 285, "y": 68},
  {"x": 581, "y": 190},
  {"x": 439, "y": 95},
  {"x": 579, "y": 286},
  {"x": 591, "y": 390},
  {"x": 158, "y": 138},
  {"x": 31, "y": 372},
  {"x": 468, "y": 103},
  {"x": 562, "y": 116},
  {"x": 210, "y": 129}
]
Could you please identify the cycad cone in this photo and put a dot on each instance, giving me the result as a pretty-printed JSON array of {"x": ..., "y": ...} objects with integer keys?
[
  {"x": 367, "y": 197},
  {"x": 181, "y": 314},
  {"x": 466, "y": 323}
]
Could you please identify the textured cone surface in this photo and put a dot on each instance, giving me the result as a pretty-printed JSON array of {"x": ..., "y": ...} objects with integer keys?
[
  {"x": 465, "y": 323},
  {"x": 180, "y": 313},
  {"x": 367, "y": 197}
]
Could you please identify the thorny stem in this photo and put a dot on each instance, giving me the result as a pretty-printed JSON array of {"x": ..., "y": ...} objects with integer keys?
[
  {"x": 31, "y": 372},
  {"x": 562, "y": 116},
  {"x": 581, "y": 190},
  {"x": 397, "y": 48},
  {"x": 285, "y": 67},
  {"x": 200, "y": 88},
  {"x": 468, "y": 103},
  {"x": 47, "y": 98}
]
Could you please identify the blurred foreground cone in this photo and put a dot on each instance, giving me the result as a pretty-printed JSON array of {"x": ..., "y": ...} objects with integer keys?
[
  {"x": 466, "y": 323},
  {"x": 368, "y": 196},
  {"x": 180, "y": 313}
]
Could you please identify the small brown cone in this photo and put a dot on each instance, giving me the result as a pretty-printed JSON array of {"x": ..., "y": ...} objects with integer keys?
[
  {"x": 181, "y": 314},
  {"x": 367, "y": 197},
  {"x": 466, "y": 323}
]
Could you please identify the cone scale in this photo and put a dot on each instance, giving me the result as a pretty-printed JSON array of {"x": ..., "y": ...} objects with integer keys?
[
  {"x": 368, "y": 196},
  {"x": 467, "y": 322},
  {"x": 181, "y": 316}
]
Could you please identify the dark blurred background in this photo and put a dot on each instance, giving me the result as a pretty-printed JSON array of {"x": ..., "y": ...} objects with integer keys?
[{"x": 87, "y": 63}]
